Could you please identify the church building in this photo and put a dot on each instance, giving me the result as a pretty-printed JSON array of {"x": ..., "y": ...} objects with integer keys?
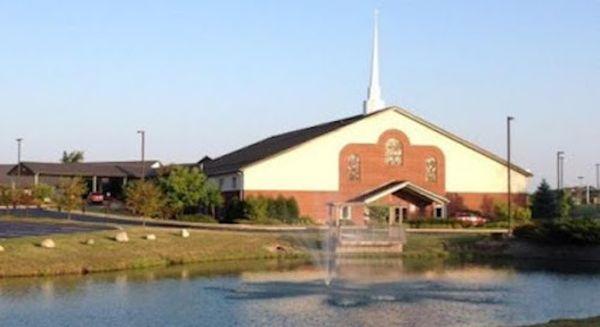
[{"x": 383, "y": 156}]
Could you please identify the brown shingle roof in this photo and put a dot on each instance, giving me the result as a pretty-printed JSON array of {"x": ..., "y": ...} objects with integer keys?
[
  {"x": 236, "y": 160},
  {"x": 86, "y": 169}
]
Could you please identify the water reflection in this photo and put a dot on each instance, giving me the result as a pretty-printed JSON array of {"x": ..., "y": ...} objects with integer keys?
[{"x": 365, "y": 293}]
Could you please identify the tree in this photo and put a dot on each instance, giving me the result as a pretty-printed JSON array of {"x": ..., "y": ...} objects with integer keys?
[
  {"x": 72, "y": 157},
  {"x": 563, "y": 204},
  {"x": 183, "y": 188},
  {"x": 69, "y": 194},
  {"x": 40, "y": 193},
  {"x": 144, "y": 198},
  {"x": 212, "y": 198},
  {"x": 544, "y": 202}
]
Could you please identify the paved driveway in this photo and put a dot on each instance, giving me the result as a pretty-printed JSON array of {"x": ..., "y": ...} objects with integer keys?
[{"x": 9, "y": 229}]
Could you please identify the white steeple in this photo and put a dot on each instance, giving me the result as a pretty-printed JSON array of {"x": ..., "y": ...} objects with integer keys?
[{"x": 374, "y": 101}]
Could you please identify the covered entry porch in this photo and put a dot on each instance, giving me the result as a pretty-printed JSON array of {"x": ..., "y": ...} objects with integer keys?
[{"x": 391, "y": 203}]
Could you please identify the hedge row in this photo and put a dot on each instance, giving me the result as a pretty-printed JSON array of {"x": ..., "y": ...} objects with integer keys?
[{"x": 567, "y": 231}]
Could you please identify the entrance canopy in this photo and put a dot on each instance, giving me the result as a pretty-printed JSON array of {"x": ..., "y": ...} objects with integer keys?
[{"x": 412, "y": 192}]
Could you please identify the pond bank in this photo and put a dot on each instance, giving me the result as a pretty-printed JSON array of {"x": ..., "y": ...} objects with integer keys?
[
  {"x": 24, "y": 257},
  {"x": 587, "y": 322},
  {"x": 519, "y": 249}
]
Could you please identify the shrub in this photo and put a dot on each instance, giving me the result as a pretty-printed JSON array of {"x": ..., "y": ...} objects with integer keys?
[
  {"x": 378, "y": 214},
  {"x": 257, "y": 209},
  {"x": 261, "y": 209},
  {"x": 42, "y": 193},
  {"x": 566, "y": 231},
  {"x": 233, "y": 210},
  {"x": 585, "y": 211},
  {"x": 520, "y": 215}
]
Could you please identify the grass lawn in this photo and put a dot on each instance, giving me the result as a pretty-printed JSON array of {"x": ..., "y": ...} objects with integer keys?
[
  {"x": 24, "y": 257},
  {"x": 437, "y": 245}
]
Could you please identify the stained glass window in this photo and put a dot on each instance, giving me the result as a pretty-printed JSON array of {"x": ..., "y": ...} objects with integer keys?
[
  {"x": 431, "y": 170},
  {"x": 354, "y": 167},
  {"x": 393, "y": 152}
]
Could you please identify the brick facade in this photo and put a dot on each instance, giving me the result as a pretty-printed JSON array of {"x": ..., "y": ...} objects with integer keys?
[{"x": 374, "y": 172}]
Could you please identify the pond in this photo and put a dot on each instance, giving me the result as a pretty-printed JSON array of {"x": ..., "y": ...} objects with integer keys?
[{"x": 364, "y": 293}]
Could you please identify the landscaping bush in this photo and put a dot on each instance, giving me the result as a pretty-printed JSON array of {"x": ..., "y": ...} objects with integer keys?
[
  {"x": 436, "y": 223},
  {"x": 261, "y": 209},
  {"x": 520, "y": 215},
  {"x": 585, "y": 211},
  {"x": 560, "y": 232},
  {"x": 378, "y": 215},
  {"x": 233, "y": 210}
]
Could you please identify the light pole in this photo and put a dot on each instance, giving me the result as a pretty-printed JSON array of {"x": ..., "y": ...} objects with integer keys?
[
  {"x": 19, "y": 142},
  {"x": 581, "y": 190},
  {"x": 559, "y": 155},
  {"x": 509, "y": 119},
  {"x": 143, "y": 136},
  {"x": 597, "y": 176}
]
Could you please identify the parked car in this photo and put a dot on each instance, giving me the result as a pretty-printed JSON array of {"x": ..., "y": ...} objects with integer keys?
[
  {"x": 96, "y": 198},
  {"x": 470, "y": 219}
]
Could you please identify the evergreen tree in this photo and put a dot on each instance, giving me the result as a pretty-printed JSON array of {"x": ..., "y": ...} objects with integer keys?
[
  {"x": 544, "y": 202},
  {"x": 563, "y": 204}
]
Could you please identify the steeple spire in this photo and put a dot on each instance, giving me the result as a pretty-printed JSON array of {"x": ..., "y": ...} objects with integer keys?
[{"x": 374, "y": 101}]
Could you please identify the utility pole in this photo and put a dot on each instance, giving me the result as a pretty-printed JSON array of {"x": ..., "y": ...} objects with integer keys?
[
  {"x": 509, "y": 168},
  {"x": 143, "y": 135}
]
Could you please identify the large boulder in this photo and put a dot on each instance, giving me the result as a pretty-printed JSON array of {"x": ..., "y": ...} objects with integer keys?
[
  {"x": 48, "y": 244},
  {"x": 1, "y": 248},
  {"x": 122, "y": 237},
  {"x": 151, "y": 237},
  {"x": 90, "y": 241},
  {"x": 185, "y": 233}
]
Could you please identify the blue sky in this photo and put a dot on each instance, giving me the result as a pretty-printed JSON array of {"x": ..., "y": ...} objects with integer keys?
[{"x": 206, "y": 77}]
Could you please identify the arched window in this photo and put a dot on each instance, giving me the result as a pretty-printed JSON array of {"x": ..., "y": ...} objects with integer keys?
[
  {"x": 431, "y": 170},
  {"x": 393, "y": 152},
  {"x": 354, "y": 167}
]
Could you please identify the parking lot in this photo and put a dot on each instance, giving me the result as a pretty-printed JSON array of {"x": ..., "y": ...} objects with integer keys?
[{"x": 12, "y": 228}]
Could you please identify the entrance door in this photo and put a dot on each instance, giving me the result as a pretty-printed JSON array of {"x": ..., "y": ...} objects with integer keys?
[{"x": 399, "y": 213}]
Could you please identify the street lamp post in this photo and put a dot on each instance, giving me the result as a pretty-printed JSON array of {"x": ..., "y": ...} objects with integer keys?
[
  {"x": 19, "y": 142},
  {"x": 143, "y": 136},
  {"x": 597, "y": 176},
  {"x": 562, "y": 171},
  {"x": 559, "y": 155},
  {"x": 509, "y": 119}
]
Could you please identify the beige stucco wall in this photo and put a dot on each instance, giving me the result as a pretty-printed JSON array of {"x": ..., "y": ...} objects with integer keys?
[
  {"x": 227, "y": 183},
  {"x": 313, "y": 166}
]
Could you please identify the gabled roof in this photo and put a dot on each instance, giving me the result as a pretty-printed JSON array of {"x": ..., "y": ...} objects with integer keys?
[
  {"x": 236, "y": 160},
  {"x": 87, "y": 169},
  {"x": 393, "y": 187}
]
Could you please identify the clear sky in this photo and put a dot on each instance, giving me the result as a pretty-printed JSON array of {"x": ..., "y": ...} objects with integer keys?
[{"x": 207, "y": 77}]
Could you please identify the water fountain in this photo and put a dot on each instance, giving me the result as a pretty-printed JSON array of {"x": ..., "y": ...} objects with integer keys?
[{"x": 367, "y": 240}]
